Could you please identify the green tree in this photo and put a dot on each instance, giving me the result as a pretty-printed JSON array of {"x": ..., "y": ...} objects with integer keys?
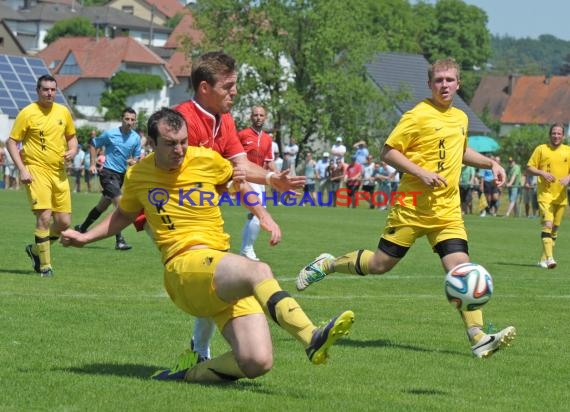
[
  {"x": 84, "y": 133},
  {"x": 451, "y": 28},
  {"x": 74, "y": 27},
  {"x": 125, "y": 84},
  {"x": 521, "y": 142},
  {"x": 304, "y": 60},
  {"x": 455, "y": 29}
]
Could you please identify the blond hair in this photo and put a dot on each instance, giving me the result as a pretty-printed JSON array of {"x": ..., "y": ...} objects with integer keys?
[{"x": 443, "y": 64}]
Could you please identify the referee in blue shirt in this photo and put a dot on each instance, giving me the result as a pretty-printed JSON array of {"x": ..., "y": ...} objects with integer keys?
[{"x": 122, "y": 149}]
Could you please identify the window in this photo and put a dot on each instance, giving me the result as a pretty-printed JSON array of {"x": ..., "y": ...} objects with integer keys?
[{"x": 128, "y": 9}]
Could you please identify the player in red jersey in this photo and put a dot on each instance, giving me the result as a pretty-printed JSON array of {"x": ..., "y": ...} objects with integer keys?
[{"x": 258, "y": 145}]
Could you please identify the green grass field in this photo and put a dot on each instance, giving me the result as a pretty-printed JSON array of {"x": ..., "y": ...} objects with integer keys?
[{"x": 88, "y": 339}]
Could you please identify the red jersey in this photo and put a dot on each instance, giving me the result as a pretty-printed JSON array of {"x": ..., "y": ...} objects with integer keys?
[
  {"x": 204, "y": 129},
  {"x": 352, "y": 171},
  {"x": 257, "y": 146}
]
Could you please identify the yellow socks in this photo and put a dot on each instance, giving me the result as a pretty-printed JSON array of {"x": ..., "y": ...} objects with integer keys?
[
  {"x": 547, "y": 243},
  {"x": 222, "y": 368},
  {"x": 473, "y": 321},
  {"x": 284, "y": 310},
  {"x": 355, "y": 263},
  {"x": 42, "y": 248}
]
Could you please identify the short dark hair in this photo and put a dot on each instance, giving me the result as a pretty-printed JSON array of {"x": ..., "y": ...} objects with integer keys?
[
  {"x": 45, "y": 78},
  {"x": 171, "y": 117},
  {"x": 209, "y": 66},
  {"x": 557, "y": 125},
  {"x": 128, "y": 110}
]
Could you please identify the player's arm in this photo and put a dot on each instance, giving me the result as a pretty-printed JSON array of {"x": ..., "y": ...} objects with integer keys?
[
  {"x": 72, "y": 146},
  {"x": 110, "y": 226},
  {"x": 542, "y": 173},
  {"x": 400, "y": 162},
  {"x": 257, "y": 174},
  {"x": 12, "y": 146},
  {"x": 252, "y": 202},
  {"x": 473, "y": 158},
  {"x": 92, "y": 158}
]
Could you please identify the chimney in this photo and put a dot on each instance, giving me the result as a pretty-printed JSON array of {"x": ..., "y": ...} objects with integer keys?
[
  {"x": 511, "y": 85},
  {"x": 547, "y": 79}
]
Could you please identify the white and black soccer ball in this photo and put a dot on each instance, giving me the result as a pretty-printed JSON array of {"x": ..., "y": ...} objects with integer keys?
[{"x": 468, "y": 286}]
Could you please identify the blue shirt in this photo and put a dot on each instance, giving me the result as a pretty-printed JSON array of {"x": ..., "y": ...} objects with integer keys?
[
  {"x": 118, "y": 148},
  {"x": 361, "y": 155},
  {"x": 487, "y": 175}
]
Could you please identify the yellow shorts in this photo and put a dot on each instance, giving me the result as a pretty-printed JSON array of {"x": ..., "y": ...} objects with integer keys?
[
  {"x": 189, "y": 281},
  {"x": 403, "y": 228},
  {"x": 551, "y": 212},
  {"x": 48, "y": 190}
]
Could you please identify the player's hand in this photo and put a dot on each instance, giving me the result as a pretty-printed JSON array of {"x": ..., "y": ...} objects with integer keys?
[
  {"x": 432, "y": 179},
  {"x": 268, "y": 224},
  {"x": 70, "y": 237},
  {"x": 548, "y": 177},
  {"x": 282, "y": 182},
  {"x": 93, "y": 170},
  {"x": 69, "y": 155},
  {"x": 499, "y": 173},
  {"x": 25, "y": 177},
  {"x": 565, "y": 180}
]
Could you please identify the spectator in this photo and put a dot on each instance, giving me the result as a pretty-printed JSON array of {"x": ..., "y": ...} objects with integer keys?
[
  {"x": 77, "y": 169},
  {"x": 368, "y": 182},
  {"x": 353, "y": 176},
  {"x": 514, "y": 185},
  {"x": 321, "y": 174},
  {"x": 310, "y": 174},
  {"x": 338, "y": 150},
  {"x": 335, "y": 172},
  {"x": 292, "y": 149},
  {"x": 361, "y": 152},
  {"x": 466, "y": 185}
]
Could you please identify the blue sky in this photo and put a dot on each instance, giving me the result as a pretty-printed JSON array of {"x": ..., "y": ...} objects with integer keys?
[{"x": 526, "y": 18}]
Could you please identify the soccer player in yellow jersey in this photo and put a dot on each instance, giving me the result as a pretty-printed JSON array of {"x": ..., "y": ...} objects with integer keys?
[
  {"x": 177, "y": 186},
  {"x": 551, "y": 163},
  {"x": 46, "y": 133},
  {"x": 428, "y": 145}
]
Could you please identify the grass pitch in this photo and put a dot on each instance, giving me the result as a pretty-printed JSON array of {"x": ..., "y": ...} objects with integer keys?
[{"x": 89, "y": 338}]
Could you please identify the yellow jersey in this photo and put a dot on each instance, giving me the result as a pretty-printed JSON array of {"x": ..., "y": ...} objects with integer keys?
[
  {"x": 43, "y": 132},
  {"x": 181, "y": 206},
  {"x": 555, "y": 161},
  {"x": 434, "y": 139}
]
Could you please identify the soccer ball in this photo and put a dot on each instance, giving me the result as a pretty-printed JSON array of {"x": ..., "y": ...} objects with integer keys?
[{"x": 468, "y": 286}]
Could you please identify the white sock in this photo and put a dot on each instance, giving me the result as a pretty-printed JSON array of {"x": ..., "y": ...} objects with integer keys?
[
  {"x": 204, "y": 329},
  {"x": 249, "y": 234}
]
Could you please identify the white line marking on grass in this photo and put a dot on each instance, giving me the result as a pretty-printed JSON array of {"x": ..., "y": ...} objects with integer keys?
[{"x": 160, "y": 295}]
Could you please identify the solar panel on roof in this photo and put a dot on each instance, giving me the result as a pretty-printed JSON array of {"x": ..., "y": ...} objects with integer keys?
[{"x": 18, "y": 76}]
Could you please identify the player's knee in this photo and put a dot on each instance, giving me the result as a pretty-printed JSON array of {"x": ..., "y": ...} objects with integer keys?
[
  {"x": 379, "y": 266},
  {"x": 256, "y": 364},
  {"x": 262, "y": 271}
]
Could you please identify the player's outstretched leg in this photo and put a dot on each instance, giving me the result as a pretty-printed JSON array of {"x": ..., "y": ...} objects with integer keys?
[
  {"x": 325, "y": 336},
  {"x": 487, "y": 345},
  {"x": 313, "y": 272}
]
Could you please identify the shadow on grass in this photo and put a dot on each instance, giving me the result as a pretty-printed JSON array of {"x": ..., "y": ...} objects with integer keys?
[
  {"x": 18, "y": 272},
  {"x": 421, "y": 391},
  {"x": 383, "y": 343},
  {"x": 525, "y": 265},
  {"x": 144, "y": 372}
]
